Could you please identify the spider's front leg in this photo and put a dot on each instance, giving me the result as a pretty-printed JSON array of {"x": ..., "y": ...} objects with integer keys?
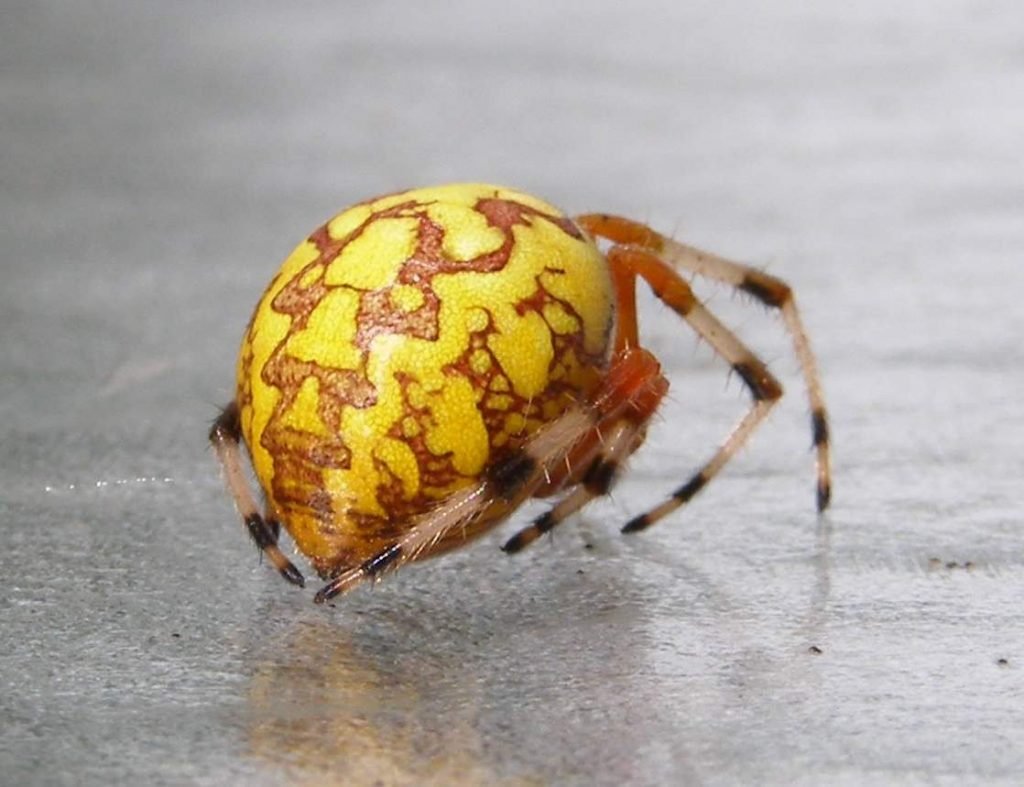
[
  {"x": 225, "y": 437},
  {"x": 764, "y": 389},
  {"x": 601, "y": 473},
  {"x": 600, "y": 458},
  {"x": 769, "y": 290},
  {"x": 627, "y": 264}
]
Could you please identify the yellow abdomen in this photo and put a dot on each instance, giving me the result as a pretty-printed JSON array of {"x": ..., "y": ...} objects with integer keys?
[{"x": 405, "y": 346}]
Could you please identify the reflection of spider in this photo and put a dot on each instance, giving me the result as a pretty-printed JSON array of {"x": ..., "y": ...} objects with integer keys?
[{"x": 427, "y": 361}]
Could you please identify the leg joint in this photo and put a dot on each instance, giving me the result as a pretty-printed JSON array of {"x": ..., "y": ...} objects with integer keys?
[
  {"x": 600, "y": 476},
  {"x": 508, "y": 477},
  {"x": 227, "y": 426},
  {"x": 767, "y": 289},
  {"x": 545, "y": 522},
  {"x": 762, "y": 384},
  {"x": 686, "y": 492},
  {"x": 819, "y": 425},
  {"x": 380, "y": 562},
  {"x": 259, "y": 531}
]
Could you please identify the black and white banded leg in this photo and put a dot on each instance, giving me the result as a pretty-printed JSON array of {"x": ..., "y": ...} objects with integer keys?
[
  {"x": 597, "y": 481},
  {"x": 225, "y": 437},
  {"x": 765, "y": 390},
  {"x": 769, "y": 290}
]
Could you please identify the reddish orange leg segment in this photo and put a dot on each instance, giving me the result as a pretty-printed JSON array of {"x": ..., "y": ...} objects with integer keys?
[
  {"x": 627, "y": 332},
  {"x": 771, "y": 291},
  {"x": 225, "y": 436}
]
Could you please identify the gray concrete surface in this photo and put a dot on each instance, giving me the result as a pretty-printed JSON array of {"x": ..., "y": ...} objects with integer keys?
[{"x": 158, "y": 160}]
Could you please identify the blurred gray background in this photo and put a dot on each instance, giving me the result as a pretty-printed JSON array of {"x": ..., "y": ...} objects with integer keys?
[{"x": 157, "y": 161}]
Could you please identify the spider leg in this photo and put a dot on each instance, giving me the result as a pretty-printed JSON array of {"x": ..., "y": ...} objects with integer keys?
[
  {"x": 504, "y": 486},
  {"x": 602, "y": 471},
  {"x": 601, "y": 457},
  {"x": 225, "y": 436},
  {"x": 764, "y": 388},
  {"x": 633, "y": 384},
  {"x": 771, "y": 291},
  {"x": 273, "y": 524}
]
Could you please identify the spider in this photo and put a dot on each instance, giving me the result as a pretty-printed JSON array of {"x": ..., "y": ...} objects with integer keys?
[{"x": 426, "y": 361}]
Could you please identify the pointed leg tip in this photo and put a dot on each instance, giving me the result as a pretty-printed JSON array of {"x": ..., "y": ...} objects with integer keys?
[
  {"x": 824, "y": 496},
  {"x": 328, "y": 592},
  {"x": 636, "y": 524},
  {"x": 322, "y": 597},
  {"x": 512, "y": 546},
  {"x": 293, "y": 575}
]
